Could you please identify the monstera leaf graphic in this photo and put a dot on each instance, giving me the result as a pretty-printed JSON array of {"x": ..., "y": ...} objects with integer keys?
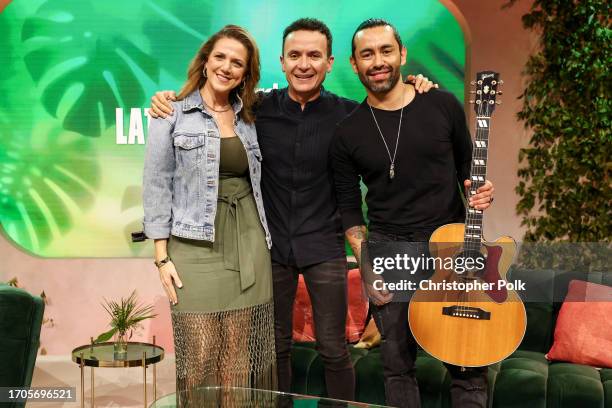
[
  {"x": 87, "y": 54},
  {"x": 178, "y": 29},
  {"x": 7, "y": 63},
  {"x": 46, "y": 176}
]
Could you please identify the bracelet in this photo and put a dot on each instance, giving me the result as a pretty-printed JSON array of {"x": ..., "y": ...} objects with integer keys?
[{"x": 162, "y": 262}]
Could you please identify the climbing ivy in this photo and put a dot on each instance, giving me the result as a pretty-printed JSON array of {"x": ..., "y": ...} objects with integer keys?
[{"x": 564, "y": 173}]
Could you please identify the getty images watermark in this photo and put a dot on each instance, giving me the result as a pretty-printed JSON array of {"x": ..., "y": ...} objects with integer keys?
[
  {"x": 537, "y": 272},
  {"x": 402, "y": 268},
  {"x": 475, "y": 265}
]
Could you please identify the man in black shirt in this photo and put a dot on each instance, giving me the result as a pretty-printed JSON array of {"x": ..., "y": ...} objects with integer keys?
[
  {"x": 411, "y": 150},
  {"x": 295, "y": 126},
  {"x": 294, "y": 129}
]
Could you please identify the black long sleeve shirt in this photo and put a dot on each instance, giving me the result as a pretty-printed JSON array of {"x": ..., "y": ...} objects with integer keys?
[
  {"x": 297, "y": 183},
  {"x": 433, "y": 155}
]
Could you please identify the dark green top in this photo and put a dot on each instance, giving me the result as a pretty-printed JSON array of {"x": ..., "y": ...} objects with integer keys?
[{"x": 234, "y": 162}]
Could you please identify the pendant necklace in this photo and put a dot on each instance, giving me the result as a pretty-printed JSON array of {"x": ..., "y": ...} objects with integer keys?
[
  {"x": 227, "y": 107},
  {"x": 391, "y": 159}
]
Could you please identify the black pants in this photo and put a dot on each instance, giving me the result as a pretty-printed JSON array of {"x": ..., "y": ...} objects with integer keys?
[
  {"x": 326, "y": 284},
  {"x": 398, "y": 347}
]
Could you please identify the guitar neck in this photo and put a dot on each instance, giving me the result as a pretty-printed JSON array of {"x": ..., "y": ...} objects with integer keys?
[
  {"x": 478, "y": 174},
  {"x": 486, "y": 92}
]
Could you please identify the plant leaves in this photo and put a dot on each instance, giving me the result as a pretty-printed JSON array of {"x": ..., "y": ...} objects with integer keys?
[
  {"x": 94, "y": 70},
  {"x": 106, "y": 336}
]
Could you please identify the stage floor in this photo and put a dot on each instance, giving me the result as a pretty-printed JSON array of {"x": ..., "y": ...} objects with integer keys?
[{"x": 115, "y": 387}]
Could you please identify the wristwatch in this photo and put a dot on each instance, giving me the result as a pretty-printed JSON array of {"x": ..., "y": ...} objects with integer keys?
[{"x": 161, "y": 263}]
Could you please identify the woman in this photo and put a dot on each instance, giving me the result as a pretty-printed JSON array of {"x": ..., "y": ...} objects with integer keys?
[{"x": 203, "y": 208}]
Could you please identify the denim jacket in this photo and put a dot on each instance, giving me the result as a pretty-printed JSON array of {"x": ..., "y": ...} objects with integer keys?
[{"x": 181, "y": 171}]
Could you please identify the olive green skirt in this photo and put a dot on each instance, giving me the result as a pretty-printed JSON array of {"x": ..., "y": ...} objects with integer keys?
[
  {"x": 224, "y": 321},
  {"x": 234, "y": 271}
]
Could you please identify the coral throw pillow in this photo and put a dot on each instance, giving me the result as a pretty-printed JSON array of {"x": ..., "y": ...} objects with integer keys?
[
  {"x": 583, "y": 333},
  {"x": 303, "y": 324}
]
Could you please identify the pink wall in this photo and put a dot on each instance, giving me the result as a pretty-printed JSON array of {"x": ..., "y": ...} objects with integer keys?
[
  {"x": 499, "y": 43},
  {"x": 75, "y": 287}
]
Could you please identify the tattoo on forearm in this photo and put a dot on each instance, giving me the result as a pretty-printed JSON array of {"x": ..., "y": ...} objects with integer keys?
[
  {"x": 355, "y": 236},
  {"x": 357, "y": 232}
]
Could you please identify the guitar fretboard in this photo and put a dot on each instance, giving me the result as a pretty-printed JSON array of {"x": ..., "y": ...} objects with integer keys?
[{"x": 478, "y": 174}]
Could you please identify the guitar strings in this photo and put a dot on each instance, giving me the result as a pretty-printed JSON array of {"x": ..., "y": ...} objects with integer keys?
[{"x": 473, "y": 245}]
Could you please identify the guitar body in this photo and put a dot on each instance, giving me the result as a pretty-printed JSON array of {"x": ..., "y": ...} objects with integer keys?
[{"x": 475, "y": 328}]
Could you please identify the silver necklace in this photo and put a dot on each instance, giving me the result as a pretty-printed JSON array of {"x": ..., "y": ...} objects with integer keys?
[
  {"x": 391, "y": 159},
  {"x": 217, "y": 110}
]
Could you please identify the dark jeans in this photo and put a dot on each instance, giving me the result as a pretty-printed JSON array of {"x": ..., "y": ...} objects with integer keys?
[
  {"x": 326, "y": 284},
  {"x": 398, "y": 347}
]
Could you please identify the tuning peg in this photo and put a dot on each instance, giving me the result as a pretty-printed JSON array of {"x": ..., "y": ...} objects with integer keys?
[
  {"x": 472, "y": 82},
  {"x": 498, "y": 102},
  {"x": 472, "y": 101},
  {"x": 472, "y": 92},
  {"x": 500, "y": 92},
  {"x": 501, "y": 82}
]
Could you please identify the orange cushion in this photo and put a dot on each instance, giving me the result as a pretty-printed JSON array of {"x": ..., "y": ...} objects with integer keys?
[
  {"x": 303, "y": 326},
  {"x": 583, "y": 333}
]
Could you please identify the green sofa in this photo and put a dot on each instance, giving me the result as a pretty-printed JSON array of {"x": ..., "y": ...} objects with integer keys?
[
  {"x": 525, "y": 379},
  {"x": 21, "y": 317}
]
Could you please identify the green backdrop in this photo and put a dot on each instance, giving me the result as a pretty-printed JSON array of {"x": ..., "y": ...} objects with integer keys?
[{"x": 76, "y": 77}]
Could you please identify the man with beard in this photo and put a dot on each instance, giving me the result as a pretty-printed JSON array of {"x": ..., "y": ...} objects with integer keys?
[
  {"x": 295, "y": 126},
  {"x": 411, "y": 150}
]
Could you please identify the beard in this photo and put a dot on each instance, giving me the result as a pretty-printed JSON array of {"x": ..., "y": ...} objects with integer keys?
[{"x": 378, "y": 86}]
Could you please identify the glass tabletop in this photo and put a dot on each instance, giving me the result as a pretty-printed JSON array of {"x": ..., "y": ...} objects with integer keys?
[
  {"x": 103, "y": 355},
  {"x": 236, "y": 397}
]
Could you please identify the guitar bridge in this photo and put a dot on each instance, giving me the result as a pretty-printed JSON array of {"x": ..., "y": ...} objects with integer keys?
[{"x": 466, "y": 312}]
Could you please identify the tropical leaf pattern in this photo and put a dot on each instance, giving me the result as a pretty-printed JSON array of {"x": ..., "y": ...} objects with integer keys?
[
  {"x": 65, "y": 66},
  {"x": 45, "y": 180},
  {"x": 91, "y": 53},
  {"x": 47, "y": 175}
]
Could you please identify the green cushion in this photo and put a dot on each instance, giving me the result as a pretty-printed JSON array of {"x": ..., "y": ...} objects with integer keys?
[
  {"x": 606, "y": 374},
  {"x": 606, "y": 379},
  {"x": 20, "y": 321},
  {"x": 524, "y": 355},
  {"x": 434, "y": 381},
  {"x": 369, "y": 385},
  {"x": 521, "y": 381},
  {"x": 301, "y": 362},
  {"x": 314, "y": 383},
  {"x": 540, "y": 327},
  {"x": 574, "y": 385}
]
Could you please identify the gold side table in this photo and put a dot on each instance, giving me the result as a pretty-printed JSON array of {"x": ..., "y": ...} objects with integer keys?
[{"x": 102, "y": 355}]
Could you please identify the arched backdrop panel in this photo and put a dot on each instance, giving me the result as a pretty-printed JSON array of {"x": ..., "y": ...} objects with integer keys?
[{"x": 76, "y": 77}]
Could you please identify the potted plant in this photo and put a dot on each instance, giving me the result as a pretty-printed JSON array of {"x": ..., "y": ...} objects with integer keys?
[{"x": 126, "y": 316}]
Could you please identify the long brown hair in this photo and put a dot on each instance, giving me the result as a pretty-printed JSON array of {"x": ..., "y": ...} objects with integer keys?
[{"x": 246, "y": 90}]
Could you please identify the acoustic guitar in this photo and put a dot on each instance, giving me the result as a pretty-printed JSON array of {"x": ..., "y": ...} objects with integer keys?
[{"x": 467, "y": 314}]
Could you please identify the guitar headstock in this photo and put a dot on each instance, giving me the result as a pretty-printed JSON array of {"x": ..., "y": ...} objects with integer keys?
[{"x": 486, "y": 92}]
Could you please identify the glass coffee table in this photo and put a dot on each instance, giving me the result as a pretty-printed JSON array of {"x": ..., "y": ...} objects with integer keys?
[
  {"x": 103, "y": 355},
  {"x": 236, "y": 397}
]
